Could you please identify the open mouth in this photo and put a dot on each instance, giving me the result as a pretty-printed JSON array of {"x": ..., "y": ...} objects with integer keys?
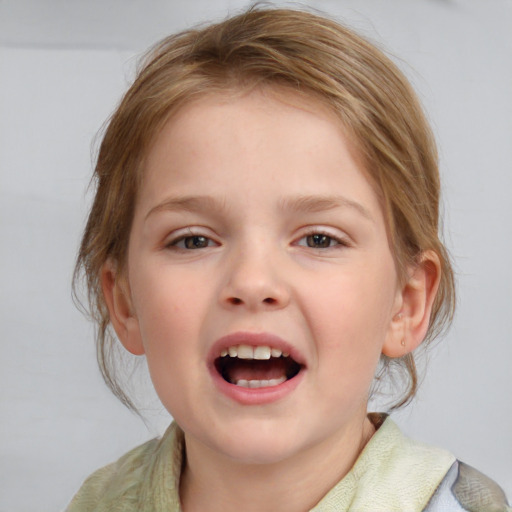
[{"x": 256, "y": 367}]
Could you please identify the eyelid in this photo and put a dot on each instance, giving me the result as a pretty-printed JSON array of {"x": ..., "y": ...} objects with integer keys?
[
  {"x": 340, "y": 237},
  {"x": 178, "y": 235}
]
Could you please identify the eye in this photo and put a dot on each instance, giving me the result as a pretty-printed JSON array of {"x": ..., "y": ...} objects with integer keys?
[
  {"x": 320, "y": 241},
  {"x": 192, "y": 242}
]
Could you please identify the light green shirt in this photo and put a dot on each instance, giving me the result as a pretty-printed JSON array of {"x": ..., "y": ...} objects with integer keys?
[{"x": 392, "y": 473}]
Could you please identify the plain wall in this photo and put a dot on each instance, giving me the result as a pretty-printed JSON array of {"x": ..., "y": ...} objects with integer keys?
[{"x": 64, "y": 66}]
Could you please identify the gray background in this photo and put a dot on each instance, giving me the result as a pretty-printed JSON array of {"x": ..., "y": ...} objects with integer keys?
[{"x": 63, "y": 67}]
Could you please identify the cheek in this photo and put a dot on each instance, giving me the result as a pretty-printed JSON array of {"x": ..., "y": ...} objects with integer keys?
[
  {"x": 166, "y": 307},
  {"x": 350, "y": 313}
]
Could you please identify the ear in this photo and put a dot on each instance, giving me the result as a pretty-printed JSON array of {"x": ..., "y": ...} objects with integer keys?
[
  {"x": 116, "y": 292},
  {"x": 413, "y": 307}
]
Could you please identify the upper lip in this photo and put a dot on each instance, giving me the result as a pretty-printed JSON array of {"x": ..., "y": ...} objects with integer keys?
[{"x": 254, "y": 339}]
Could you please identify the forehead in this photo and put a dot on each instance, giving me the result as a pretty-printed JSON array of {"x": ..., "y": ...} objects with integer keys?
[
  {"x": 249, "y": 142},
  {"x": 267, "y": 96},
  {"x": 203, "y": 123}
]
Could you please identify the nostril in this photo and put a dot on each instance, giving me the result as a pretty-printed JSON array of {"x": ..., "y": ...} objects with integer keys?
[
  {"x": 235, "y": 300},
  {"x": 269, "y": 300}
]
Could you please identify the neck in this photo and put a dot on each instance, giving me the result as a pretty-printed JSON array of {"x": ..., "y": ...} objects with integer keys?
[{"x": 213, "y": 482}]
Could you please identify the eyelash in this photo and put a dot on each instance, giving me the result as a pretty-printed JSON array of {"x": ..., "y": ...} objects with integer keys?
[
  {"x": 339, "y": 241},
  {"x": 198, "y": 239},
  {"x": 174, "y": 243}
]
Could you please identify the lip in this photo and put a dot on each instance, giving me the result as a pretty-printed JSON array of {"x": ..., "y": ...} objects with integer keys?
[{"x": 254, "y": 396}]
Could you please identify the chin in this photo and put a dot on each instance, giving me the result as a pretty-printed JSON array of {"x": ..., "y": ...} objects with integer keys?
[
  {"x": 260, "y": 455},
  {"x": 258, "y": 445}
]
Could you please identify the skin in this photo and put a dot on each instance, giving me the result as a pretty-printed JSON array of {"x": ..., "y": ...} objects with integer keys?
[{"x": 340, "y": 306}]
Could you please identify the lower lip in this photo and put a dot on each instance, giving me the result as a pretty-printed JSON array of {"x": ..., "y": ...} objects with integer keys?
[{"x": 255, "y": 396}]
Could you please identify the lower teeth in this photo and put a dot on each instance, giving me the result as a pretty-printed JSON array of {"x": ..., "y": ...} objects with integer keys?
[{"x": 259, "y": 383}]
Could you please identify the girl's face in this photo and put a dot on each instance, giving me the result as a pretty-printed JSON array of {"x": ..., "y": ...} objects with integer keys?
[{"x": 257, "y": 234}]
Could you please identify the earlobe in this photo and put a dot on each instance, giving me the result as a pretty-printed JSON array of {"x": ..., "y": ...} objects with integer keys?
[
  {"x": 116, "y": 292},
  {"x": 410, "y": 323}
]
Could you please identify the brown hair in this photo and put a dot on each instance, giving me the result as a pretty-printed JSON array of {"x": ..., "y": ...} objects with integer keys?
[{"x": 306, "y": 53}]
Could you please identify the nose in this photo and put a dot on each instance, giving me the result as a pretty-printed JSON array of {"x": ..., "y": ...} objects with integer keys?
[{"x": 255, "y": 281}]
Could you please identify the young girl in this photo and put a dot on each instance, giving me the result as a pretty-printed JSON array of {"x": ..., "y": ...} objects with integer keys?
[{"x": 265, "y": 231}]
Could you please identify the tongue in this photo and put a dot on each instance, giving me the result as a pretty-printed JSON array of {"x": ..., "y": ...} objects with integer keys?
[{"x": 256, "y": 370}]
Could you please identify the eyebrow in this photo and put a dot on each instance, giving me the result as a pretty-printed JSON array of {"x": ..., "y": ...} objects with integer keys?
[
  {"x": 314, "y": 204},
  {"x": 189, "y": 204},
  {"x": 300, "y": 204}
]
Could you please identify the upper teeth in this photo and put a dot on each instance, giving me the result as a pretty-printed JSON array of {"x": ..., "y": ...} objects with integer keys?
[{"x": 248, "y": 352}]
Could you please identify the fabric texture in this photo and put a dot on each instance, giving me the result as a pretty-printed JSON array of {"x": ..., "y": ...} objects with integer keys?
[
  {"x": 392, "y": 473},
  {"x": 464, "y": 489}
]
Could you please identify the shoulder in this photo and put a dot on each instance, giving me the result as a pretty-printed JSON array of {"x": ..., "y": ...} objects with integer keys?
[
  {"x": 465, "y": 488},
  {"x": 392, "y": 473},
  {"x": 396, "y": 473},
  {"x": 403, "y": 473},
  {"x": 117, "y": 480},
  {"x": 433, "y": 478}
]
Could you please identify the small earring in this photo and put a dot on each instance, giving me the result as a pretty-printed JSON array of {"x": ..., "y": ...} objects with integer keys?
[{"x": 403, "y": 343}]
